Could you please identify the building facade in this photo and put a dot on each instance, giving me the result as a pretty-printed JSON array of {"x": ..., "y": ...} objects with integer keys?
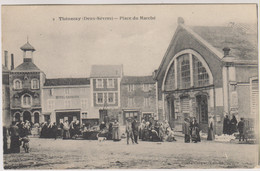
[
  {"x": 207, "y": 71},
  {"x": 138, "y": 98},
  {"x": 6, "y": 93},
  {"x": 67, "y": 99},
  {"x": 105, "y": 91},
  {"x": 25, "y": 83}
]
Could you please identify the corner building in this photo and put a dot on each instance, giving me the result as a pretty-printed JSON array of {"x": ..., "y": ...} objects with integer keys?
[
  {"x": 26, "y": 82},
  {"x": 209, "y": 71}
]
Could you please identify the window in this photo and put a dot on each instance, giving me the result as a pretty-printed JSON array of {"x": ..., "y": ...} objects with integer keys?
[
  {"x": 67, "y": 103},
  {"x": 84, "y": 115},
  {"x": 50, "y": 104},
  {"x": 26, "y": 100},
  {"x": 201, "y": 77},
  {"x": 110, "y": 83},
  {"x": 131, "y": 87},
  {"x": 146, "y": 87},
  {"x": 84, "y": 103},
  {"x": 131, "y": 101},
  {"x": 51, "y": 92},
  {"x": 100, "y": 99},
  {"x": 185, "y": 71},
  {"x": 35, "y": 84},
  {"x": 99, "y": 83},
  {"x": 146, "y": 101},
  {"x": 17, "y": 84},
  {"x": 67, "y": 91},
  {"x": 111, "y": 98}
]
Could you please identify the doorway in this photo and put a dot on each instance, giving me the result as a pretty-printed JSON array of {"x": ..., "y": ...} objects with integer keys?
[
  {"x": 171, "y": 111},
  {"x": 202, "y": 109},
  {"x": 27, "y": 116},
  {"x": 36, "y": 117}
]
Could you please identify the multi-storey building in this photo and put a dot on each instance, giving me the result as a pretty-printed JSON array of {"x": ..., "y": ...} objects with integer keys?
[
  {"x": 209, "y": 71},
  {"x": 138, "y": 97},
  {"x": 67, "y": 99},
  {"x": 26, "y": 81},
  {"x": 105, "y": 90}
]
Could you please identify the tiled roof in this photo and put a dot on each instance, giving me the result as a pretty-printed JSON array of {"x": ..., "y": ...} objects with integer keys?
[
  {"x": 67, "y": 81},
  {"x": 240, "y": 38},
  {"x": 27, "y": 46},
  {"x": 137, "y": 80},
  {"x": 27, "y": 66},
  {"x": 101, "y": 71}
]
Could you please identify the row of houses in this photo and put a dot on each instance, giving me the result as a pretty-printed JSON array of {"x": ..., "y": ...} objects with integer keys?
[
  {"x": 206, "y": 71},
  {"x": 106, "y": 95}
]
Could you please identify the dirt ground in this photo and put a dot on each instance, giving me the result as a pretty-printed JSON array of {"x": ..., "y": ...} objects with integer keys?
[{"x": 87, "y": 154}]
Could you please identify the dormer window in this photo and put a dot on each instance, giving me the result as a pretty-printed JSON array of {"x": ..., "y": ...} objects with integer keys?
[
  {"x": 17, "y": 84},
  {"x": 35, "y": 84},
  {"x": 26, "y": 100}
]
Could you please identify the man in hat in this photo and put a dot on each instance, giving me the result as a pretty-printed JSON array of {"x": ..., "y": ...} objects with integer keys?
[
  {"x": 129, "y": 131},
  {"x": 135, "y": 129}
]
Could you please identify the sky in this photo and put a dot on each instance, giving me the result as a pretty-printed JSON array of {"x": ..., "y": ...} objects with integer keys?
[{"x": 69, "y": 48}]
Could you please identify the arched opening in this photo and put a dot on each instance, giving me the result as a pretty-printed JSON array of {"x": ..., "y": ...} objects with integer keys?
[
  {"x": 202, "y": 108},
  {"x": 17, "y": 117},
  {"x": 27, "y": 116},
  {"x": 36, "y": 117}
]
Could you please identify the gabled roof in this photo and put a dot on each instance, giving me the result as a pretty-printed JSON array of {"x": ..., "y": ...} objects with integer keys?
[
  {"x": 26, "y": 66},
  {"x": 67, "y": 81},
  {"x": 137, "y": 80},
  {"x": 240, "y": 38},
  {"x": 27, "y": 47},
  {"x": 103, "y": 71}
]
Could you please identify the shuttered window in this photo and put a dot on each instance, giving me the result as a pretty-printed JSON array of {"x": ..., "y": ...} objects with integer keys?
[
  {"x": 254, "y": 97},
  {"x": 185, "y": 105}
]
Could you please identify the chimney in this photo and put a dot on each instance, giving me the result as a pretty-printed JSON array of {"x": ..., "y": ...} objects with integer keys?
[
  {"x": 6, "y": 58},
  {"x": 12, "y": 61},
  {"x": 226, "y": 51}
]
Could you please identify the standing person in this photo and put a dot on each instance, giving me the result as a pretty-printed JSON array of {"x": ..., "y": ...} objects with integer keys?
[
  {"x": 129, "y": 131},
  {"x": 54, "y": 130},
  {"x": 66, "y": 127},
  {"x": 226, "y": 125},
  {"x": 135, "y": 129},
  {"x": 186, "y": 130},
  {"x": 211, "y": 135},
  {"x": 71, "y": 129},
  {"x": 241, "y": 129},
  {"x": 15, "y": 142},
  {"x": 195, "y": 131},
  {"x": 110, "y": 131},
  {"x": 5, "y": 135},
  {"x": 233, "y": 124},
  {"x": 116, "y": 136}
]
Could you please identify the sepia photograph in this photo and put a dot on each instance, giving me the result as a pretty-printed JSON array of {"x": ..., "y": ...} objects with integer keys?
[{"x": 130, "y": 86}]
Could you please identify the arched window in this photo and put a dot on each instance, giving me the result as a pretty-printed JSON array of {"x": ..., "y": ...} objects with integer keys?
[
  {"x": 35, "y": 84},
  {"x": 200, "y": 75},
  {"x": 184, "y": 71},
  {"x": 26, "y": 100},
  {"x": 17, "y": 84}
]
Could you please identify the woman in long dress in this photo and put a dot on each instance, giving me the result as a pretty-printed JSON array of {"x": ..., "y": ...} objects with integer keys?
[
  {"x": 211, "y": 135},
  {"x": 66, "y": 128},
  {"x": 115, "y": 135},
  {"x": 195, "y": 131},
  {"x": 233, "y": 125}
]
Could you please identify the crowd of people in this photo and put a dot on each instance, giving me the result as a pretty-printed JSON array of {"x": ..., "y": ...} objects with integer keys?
[{"x": 231, "y": 126}]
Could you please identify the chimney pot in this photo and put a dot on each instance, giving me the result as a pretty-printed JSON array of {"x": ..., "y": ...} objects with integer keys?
[
  {"x": 6, "y": 58},
  {"x": 226, "y": 51}
]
